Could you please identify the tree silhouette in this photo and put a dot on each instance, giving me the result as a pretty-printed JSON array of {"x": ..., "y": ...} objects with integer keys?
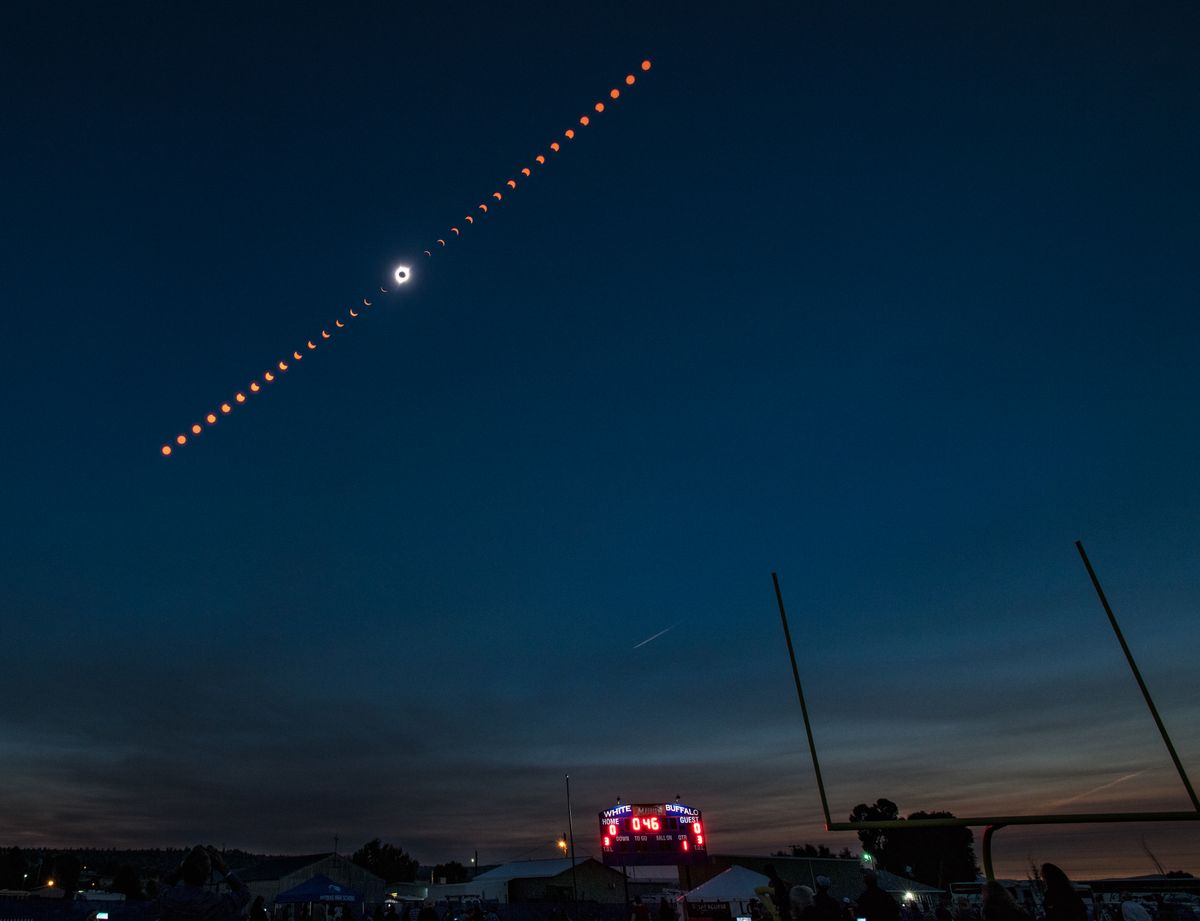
[
  {"x": 934, "y": 856},
  {"x": 386, "y": 861}
]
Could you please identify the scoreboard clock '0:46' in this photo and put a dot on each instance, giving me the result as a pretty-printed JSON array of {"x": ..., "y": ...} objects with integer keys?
[{"x": 652, "y": 834}]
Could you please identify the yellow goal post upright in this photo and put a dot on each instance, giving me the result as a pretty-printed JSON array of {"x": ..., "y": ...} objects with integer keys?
[{"x": 992, "y": 824}]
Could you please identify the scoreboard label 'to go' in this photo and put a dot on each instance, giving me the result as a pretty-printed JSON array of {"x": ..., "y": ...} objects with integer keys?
[{"x": 652, "y": 834}]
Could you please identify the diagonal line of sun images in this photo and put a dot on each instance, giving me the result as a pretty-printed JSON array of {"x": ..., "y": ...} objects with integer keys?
[{"x": 400, "y": 276}]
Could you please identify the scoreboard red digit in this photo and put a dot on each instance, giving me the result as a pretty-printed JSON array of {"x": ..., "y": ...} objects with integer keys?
[{"x": 652, "y": 834}]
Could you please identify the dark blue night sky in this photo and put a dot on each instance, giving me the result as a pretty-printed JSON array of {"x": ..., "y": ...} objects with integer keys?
[{"x": 896, "y": 300}]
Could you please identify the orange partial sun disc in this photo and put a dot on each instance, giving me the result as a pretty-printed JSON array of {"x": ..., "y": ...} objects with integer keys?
[
  {"x": 469, "y": 219},
  {"x": 241, "y": 397},
  {"x": 339, "y": 324},
  {"x": 483, "y": 208},
  {"x": 614, "y": 94},
  {"x": 630, "y": 80},
  {"x": 353, "y": 314},
  {"x": 645, "y": 65},
  {"x": 268, "y": 377},
  {"x": 366, "y": 303},
  {"x": 297, "y": 356},
  {"x": 311, "y": 345},
  {"x": 196, "y": 429},
  {"x": 283, "y": 366},
  {"x": 181, "y": 439},
  {"x": 254, "y": 387},
  {"x": 554, "y": 146},
  {"x": 569, "y": 133},
  {"x": 525, "y": 171},
  {"x": 324, "y": 335},
  {"x": 585, "y": 121},
  {"x": 599, "y": 107},
  {"x": 225, "y": 407},
  {"x": 166, "y": 450},
  {"x": 540, "y": 158},
  {"x": 211, "y": 418},
  {"x": 441, "y": 242},
  {"x": 454, "y": 230},
  {"x": 497, "y": 196},
  {"x": 512, "y": 183}
]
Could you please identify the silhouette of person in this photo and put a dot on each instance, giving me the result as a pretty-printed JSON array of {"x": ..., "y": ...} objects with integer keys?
[
  {"x": 184, "y": 898},
  {"x": 258, "y": 909},
  {"x": 800, "y": 901},
  {"x": 1061, "y": 902},
  {"x": 825, "y": 907},
  {"x": 780, "y": 893},
  {"x": 998, "y": 904},
  {"x": 874, "y": 904}
]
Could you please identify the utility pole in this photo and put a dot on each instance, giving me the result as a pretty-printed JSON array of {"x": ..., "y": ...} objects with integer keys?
[{"x": 571, "y": 842}]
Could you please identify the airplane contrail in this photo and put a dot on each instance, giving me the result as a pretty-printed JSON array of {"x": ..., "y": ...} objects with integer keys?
[
  {"x": 656, "y": 636},
  {"x": 1103, "y": 786}
]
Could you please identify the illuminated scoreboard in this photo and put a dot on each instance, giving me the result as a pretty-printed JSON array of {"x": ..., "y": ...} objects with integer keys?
[{"x": 654, "y": 834}]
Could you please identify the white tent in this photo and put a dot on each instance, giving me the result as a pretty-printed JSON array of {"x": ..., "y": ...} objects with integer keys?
[{"x": 735, "y": 886}]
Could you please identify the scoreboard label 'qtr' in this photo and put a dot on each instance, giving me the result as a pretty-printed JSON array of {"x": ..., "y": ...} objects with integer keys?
[{"x": 652, "y": 834}]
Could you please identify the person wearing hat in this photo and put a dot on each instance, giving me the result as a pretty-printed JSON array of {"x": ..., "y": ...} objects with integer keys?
[
  {"x": 825, "y": 907},
  {"x": 185, "y": 897}
]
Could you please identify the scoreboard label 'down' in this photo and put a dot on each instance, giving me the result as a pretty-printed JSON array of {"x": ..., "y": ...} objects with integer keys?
[{"x": 652, "y": 834}]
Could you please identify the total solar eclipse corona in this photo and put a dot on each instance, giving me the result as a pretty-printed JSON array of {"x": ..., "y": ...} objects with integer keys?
[{"x": 403, "y": 273}]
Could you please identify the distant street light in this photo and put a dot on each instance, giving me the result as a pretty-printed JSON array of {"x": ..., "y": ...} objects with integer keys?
[{"x": 562, "y": 844}]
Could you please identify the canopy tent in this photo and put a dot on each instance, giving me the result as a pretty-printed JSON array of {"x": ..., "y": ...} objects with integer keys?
[
  {"x": 318, "y": 889},
  {"x": 735, "y": 886}
]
